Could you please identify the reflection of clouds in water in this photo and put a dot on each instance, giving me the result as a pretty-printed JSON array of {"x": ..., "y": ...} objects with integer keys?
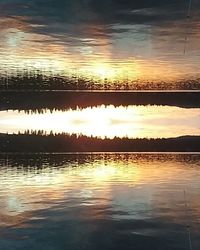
[
  {"x": 144, "y": 38},
  {"x": 132, "y": 188},
  {"x": 99, "y": 19}
]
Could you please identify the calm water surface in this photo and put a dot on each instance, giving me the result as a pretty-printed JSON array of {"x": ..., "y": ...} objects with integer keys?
[
  {"x": 99, "y": 201},
  {"x": 113, "y": 40}
]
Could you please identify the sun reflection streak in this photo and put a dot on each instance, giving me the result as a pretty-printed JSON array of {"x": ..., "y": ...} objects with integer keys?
[
  {"x": 96, "y": 182},
  {"x": 21, "y": 48}
]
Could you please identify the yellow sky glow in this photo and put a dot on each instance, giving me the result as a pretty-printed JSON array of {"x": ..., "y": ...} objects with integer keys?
[{"x": 107, "y": 121}]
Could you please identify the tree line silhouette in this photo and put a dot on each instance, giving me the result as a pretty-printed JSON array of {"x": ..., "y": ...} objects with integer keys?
[
  {"x": 65, "y": 100},
  {"x": 72, "y": 143}
]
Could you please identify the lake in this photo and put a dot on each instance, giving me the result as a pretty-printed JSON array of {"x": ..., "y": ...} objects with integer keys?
[
  {"x": 99, "y": 201},
  {"x": 99, "y": 125},
  {"x": 120, "y": 44}
]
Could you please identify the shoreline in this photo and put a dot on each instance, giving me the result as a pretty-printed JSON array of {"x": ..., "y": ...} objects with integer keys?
[
  {"x": 32, "y": 143},
  {"x": 100, "y": 91},
  {"x": 64, "y": 100}
]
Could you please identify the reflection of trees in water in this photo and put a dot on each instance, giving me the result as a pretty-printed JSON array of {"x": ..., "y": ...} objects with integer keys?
[
  {"x": 40, "y": 81},
  {"x": 37, "y": 142},
  {"x": 40, "y": 161},
  {"x": 37, "y": 102}
]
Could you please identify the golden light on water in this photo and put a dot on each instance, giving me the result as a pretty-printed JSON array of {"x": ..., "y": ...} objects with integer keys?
[
  {"x": 55, "y": 62},
  {"x": 111, "y": 71},
  {"x": 104, "y": 58},
  {"x": 99, "y": 182},
  {"x": 103, "y": 71},
  {"x": 107, "y": 121},
  {"x": 99, "y": 200},
  {"x": 57, "y": 184}
]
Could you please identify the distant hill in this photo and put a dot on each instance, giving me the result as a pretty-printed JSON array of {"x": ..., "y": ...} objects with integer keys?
[{"x": 66, "y": 143}]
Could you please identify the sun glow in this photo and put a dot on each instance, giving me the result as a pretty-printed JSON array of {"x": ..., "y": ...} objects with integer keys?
[
  {"x": 107, "y": 122},
  {"x": 99, "y": 122}
]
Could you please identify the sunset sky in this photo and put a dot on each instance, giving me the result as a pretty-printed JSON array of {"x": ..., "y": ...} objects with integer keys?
[
  {"x": 107, "y": 121},
  {"x": 99, "y": 124}
]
